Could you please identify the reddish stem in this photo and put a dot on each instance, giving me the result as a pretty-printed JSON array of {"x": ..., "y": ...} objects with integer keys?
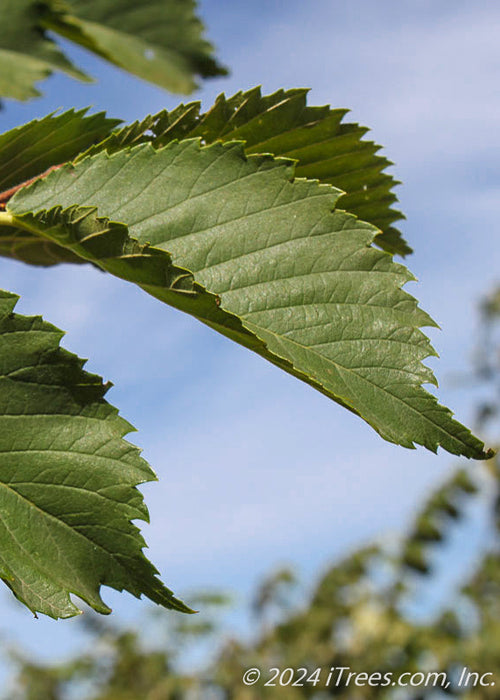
[{"x": 7, "y": 194}]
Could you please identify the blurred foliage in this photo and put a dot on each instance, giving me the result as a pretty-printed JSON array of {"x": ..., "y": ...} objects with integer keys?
[{"x": 356, "y": 615}]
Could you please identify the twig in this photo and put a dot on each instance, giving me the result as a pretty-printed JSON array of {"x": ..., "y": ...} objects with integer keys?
[{"x": 7, "y": 194}]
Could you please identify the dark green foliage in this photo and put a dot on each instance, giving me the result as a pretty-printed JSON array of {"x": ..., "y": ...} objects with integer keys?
[
  {"x": 68, "y": 478},
  {"x": 313, "y": 297},
  {"x": 157, "y": 40},
  {"x": 325, "y": 147},
  {"x": 259, "y": 218}
]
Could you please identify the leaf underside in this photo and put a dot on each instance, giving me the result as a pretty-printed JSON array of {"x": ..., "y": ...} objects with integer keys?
[
  {"x": 263, "y": 258},
  {"x": 29, "y": 150},
  {"x": 325, "y": 147},
  {"x": 67, "y": 478},
  {"x": 27, "y": 55},
  {"x": 158, "y": 40}
]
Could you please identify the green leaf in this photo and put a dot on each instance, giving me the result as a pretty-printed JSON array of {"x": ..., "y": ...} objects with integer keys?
[
  {"x": 325, "y": 147},
  {"x": 158, "y": 40},
  {"x": 29, "y": 150},
  {"x": 286, "y": 274},
  {"x": 281, "y": 121},
  {"x": 27, "y": 248},
  {"x": 68, "y": 478},
  {"x": 27, "y": 55}
]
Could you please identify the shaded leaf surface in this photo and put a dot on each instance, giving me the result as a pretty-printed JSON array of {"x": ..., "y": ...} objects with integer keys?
[
  {"x": 28, "y": 151},
  {"x": 285, "y": 273},
  {"x": 67, "y": 478},
  {"x": 158, "y": 40},
  {"x": 326, "y": 147},
  {"x": 27, "y": 55}
]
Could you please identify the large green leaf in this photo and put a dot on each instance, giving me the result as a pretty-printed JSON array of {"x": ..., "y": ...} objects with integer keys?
[
  {"x": 325, "y": 147},
  {"x": 67, "y": 478},
  {"x": 27, "y": 152},
  {"x": 158, "y": 40},
  {"x": 286, "y": 274}
]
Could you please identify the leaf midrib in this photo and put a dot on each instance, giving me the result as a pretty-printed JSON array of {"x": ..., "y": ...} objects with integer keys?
[
  {"x": 69, "y": 487},
  {"x": 49, "y": 517}
]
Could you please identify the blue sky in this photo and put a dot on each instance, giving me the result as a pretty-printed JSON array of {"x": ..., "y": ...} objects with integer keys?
[{"x": 255, "y": 468}]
